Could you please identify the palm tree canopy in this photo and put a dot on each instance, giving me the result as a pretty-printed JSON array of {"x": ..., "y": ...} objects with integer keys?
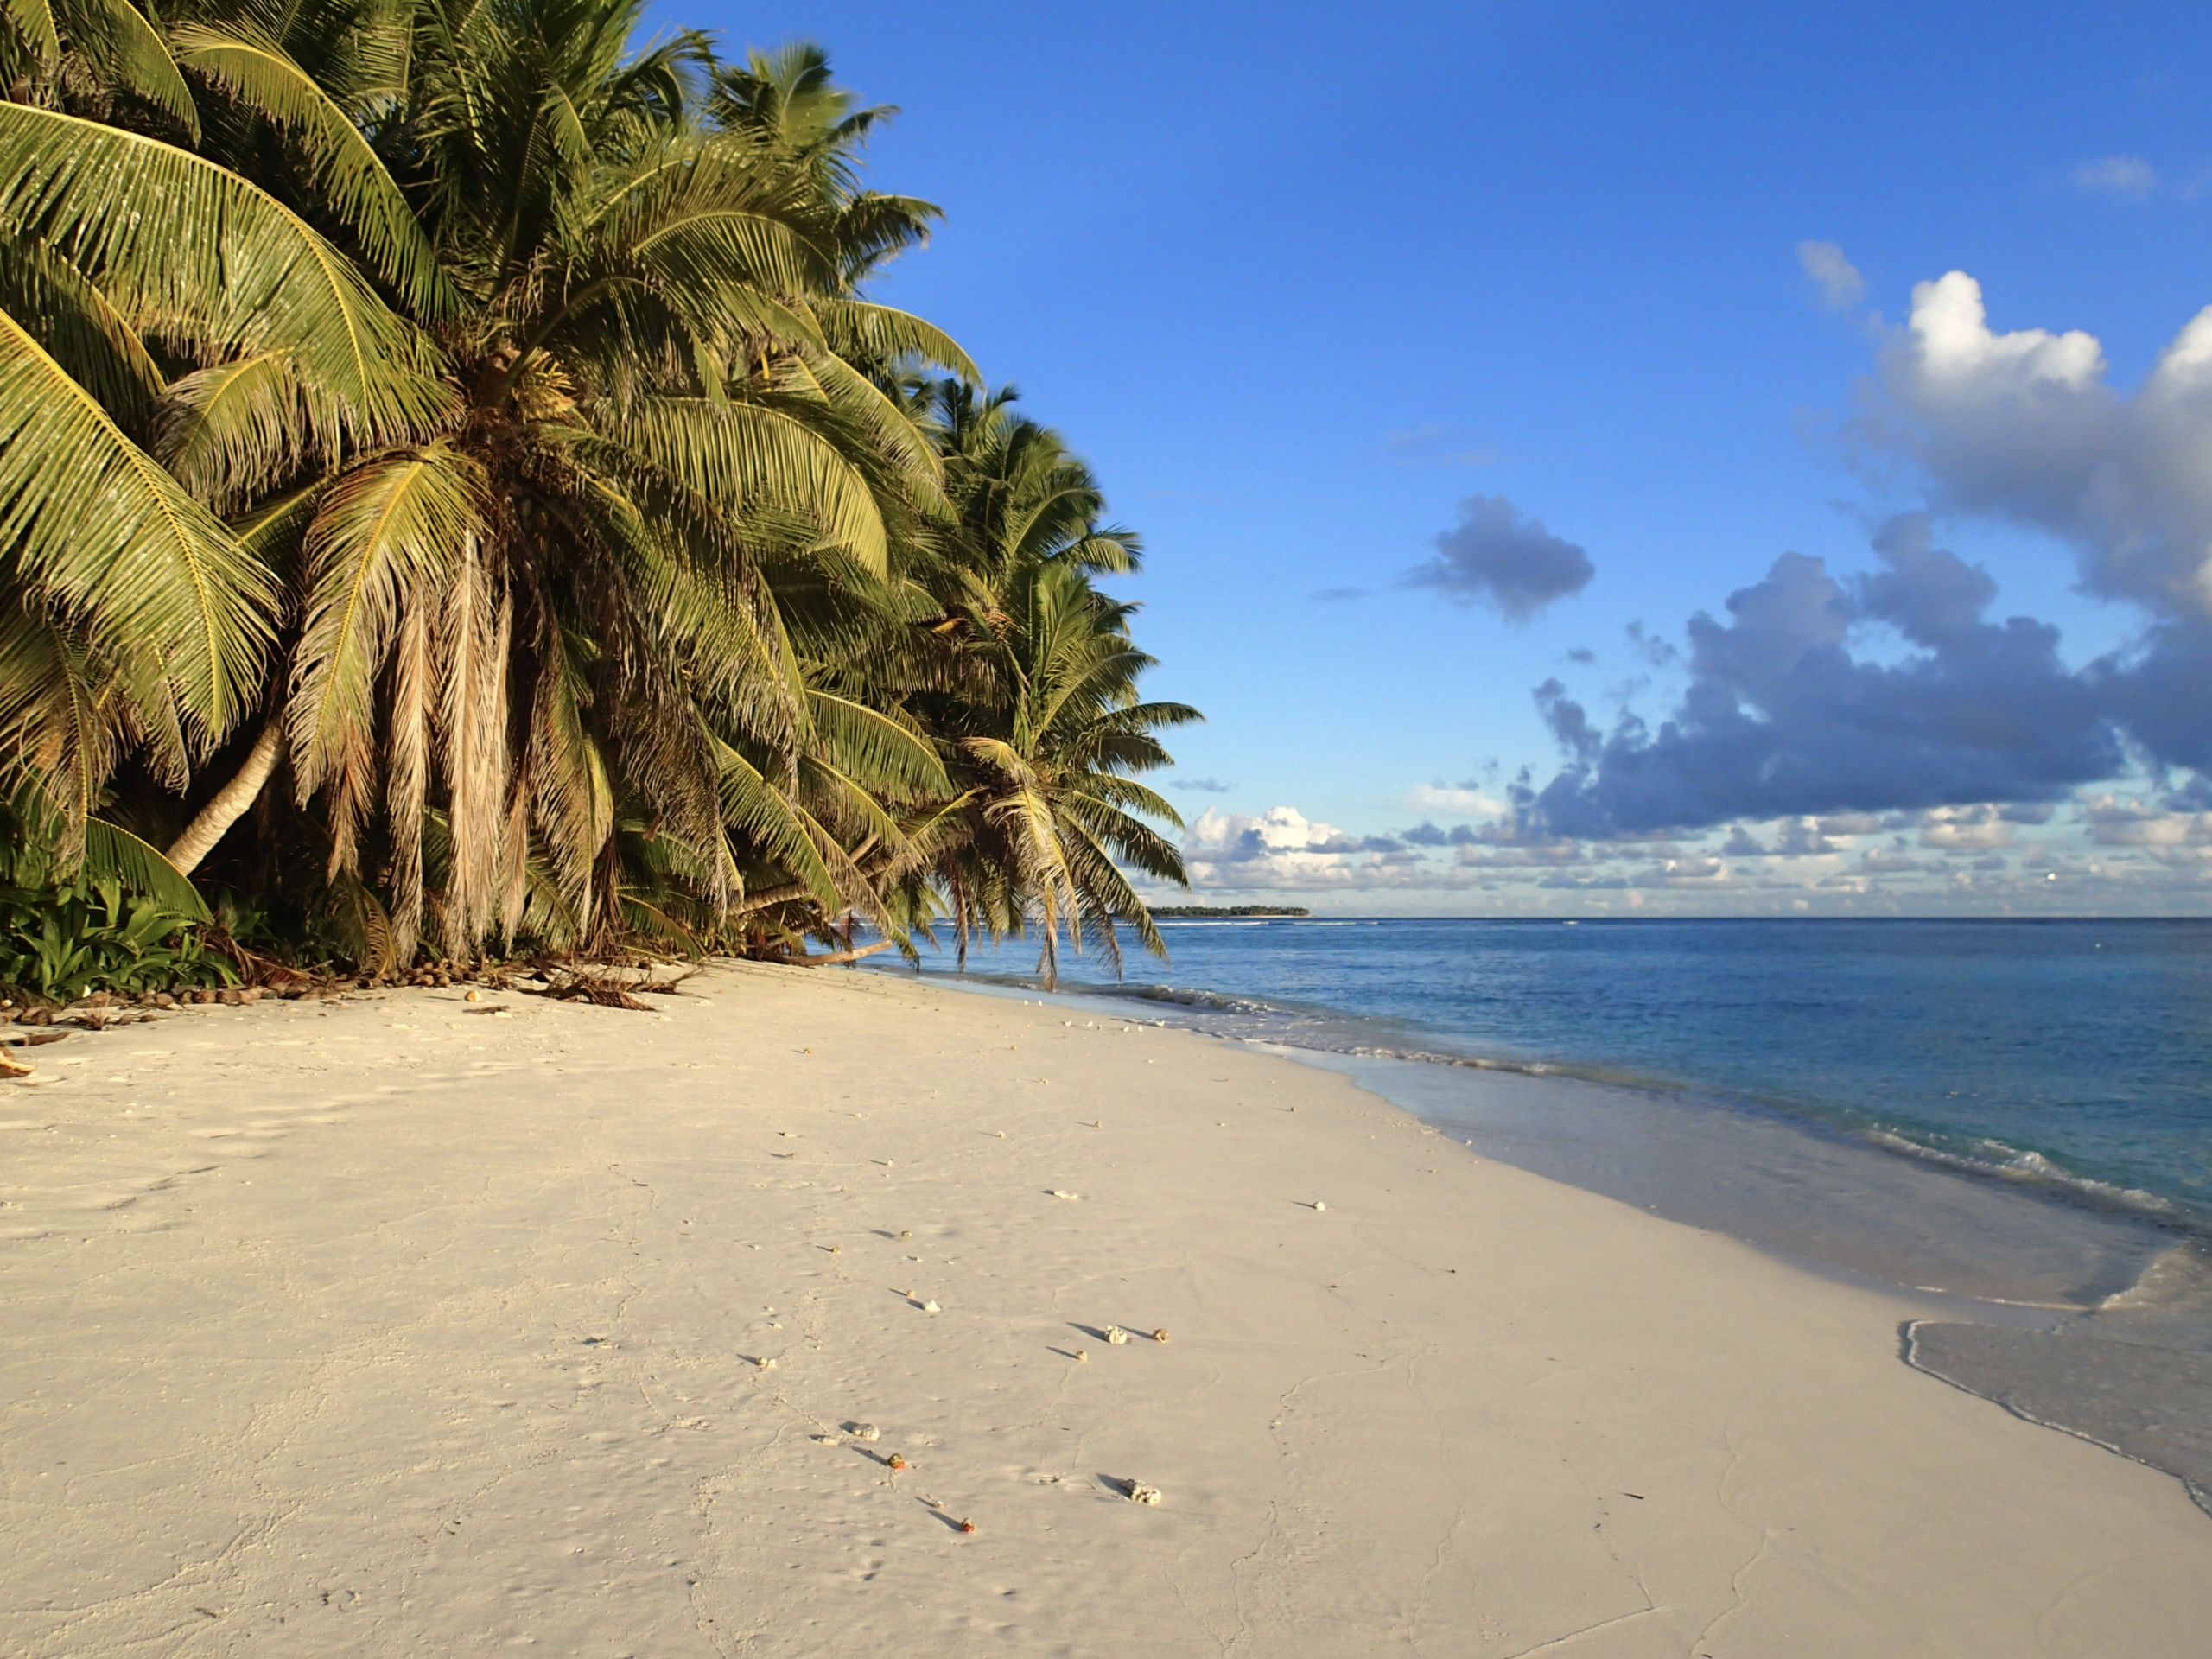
[{"x": 478, "y": 421}]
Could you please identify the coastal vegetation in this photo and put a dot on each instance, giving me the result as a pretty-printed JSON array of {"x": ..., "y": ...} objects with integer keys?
[
  {"x": 458, "y": 500},
  {"x": 1192, "y": 912}
]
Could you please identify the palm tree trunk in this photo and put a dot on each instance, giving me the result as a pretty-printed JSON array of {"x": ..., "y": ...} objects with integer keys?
[
  {"x": 769, "y": 896},
  {"x": 231, "y": 800},
  {"x": 846, "y": 955}
]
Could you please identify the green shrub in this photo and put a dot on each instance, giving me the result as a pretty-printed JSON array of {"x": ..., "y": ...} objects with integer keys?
[{"x": 63, "y": 941}]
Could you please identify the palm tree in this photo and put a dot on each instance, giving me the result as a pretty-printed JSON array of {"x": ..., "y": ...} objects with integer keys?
[
  {"x": 480, "y": 426},
  {"x": 1047, "y": 724},
  {"x": 547, "y": 380}
]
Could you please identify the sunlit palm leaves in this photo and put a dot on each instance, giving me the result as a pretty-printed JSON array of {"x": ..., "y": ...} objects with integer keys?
[{"x": 486, "y": 415}]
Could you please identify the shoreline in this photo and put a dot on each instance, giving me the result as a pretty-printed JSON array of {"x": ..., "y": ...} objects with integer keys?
[
  {"x": 406, "y": 1321},
  {"x": 2023, "y": 1172},
  {"x": 2075, "y": 1312}
]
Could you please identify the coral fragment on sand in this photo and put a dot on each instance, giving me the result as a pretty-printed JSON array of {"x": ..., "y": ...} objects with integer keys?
[
  {"x": 1115, "y": 1335},
  {"x": 1140, "y": 1493}
]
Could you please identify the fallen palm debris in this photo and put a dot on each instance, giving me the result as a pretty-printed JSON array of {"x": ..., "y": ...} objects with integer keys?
[{"x": 603, "y": 990}]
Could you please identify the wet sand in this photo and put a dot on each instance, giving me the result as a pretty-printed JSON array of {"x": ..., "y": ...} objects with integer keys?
[{"x": 407, "y": 1324}]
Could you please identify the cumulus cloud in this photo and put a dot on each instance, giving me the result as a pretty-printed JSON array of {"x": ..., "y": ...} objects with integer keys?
[
  {"x": 2023, "y": 426},
  {"x": 2114, "y": 821},
  {"x": 1427, "y": 835},
  {"x": 1977, "y": 828},
  {"x": 2123, "y": 178},
  {"x": 1887, "y": 860},
  {"x": 2146, "y": 852},
  {"x": 1282, "y": 847},
  {"x": 1466, "y": 800},
  {"x": 1497, "y": 555},
  {"x": 1780, "y": 719},
  {"x": 1803, "y": 838},
  {"x": 1834, "y": 278}
]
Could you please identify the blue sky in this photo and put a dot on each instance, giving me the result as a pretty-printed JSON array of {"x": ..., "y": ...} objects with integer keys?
[{"x": 1637, "y": 281}]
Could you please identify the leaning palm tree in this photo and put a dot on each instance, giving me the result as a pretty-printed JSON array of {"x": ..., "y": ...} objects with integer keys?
[{"x": 1046, "y": 720}]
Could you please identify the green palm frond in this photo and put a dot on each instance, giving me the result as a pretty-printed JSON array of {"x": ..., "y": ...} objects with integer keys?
[
  {"x": 773, "y": 823},
  {"x": 104, "y": 530},
  {"x": 874, "y": 334},
  {"x": 77, "y": 327},
  {"x": 126, "y": 51},
  {"x": 32, "y": 23},
  {"x": 882, "y": 751},
  {"x": 245, "y": 64},
  {"x": 113, "y": 853},
  {"x": 231, "y": 431},
  {"x": 734, "y": 455},
  {"x": 185, "y": 247}
]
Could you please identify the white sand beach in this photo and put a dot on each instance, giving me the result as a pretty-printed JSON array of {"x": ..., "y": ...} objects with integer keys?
[{"x": 405, "y": 1325}]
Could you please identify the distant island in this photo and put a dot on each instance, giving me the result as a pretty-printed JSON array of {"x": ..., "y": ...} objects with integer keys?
[{"x": 1169, "y": 912}]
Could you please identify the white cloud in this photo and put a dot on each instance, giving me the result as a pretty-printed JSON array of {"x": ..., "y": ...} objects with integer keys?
[
  {"x": 1837, "y": 280},
  {"x": 1684, "y": 873},
  {"x": 2157, "y": 853},
  {"x": 1462, "y": 802},
  {"x": 2022, "y": 425},
  {"x": 1283, "y": 848},
  {"x": 1958, "y": 359},
  {"x": 2124, "y": 178},
  {"x": 2118, "y": 821},
  {"x": 1965, "y": 828}
]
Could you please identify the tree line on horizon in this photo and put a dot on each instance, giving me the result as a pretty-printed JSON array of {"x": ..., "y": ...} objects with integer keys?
[{"x": 458, "y": 498}]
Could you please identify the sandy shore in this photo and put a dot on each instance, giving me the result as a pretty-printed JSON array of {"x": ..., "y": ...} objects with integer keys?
[{"x": 404, "y": 1325}]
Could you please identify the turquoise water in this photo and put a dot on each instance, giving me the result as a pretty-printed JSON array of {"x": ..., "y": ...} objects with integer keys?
[{"x": 2078, "y": 1053}]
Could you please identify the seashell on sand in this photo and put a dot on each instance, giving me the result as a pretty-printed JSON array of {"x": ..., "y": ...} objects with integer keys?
[
  {"x": 1140, "y": 1493},
  {"x": 864, "y": 1430},
  {"x": 932, "y": 1307},
  {"x": 767, "y": 1363},
  {"x": 1115, "y": 1335},
  {"x": 1317, "y": 1204},
  {"x": 1161, "y": 1335}
]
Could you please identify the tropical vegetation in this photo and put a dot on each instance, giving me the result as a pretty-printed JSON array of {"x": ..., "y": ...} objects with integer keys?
[{"x": 458, "y": 499}]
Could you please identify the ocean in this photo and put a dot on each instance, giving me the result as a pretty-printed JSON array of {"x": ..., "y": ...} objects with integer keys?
[{"x": 2009, "y": 1121}]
